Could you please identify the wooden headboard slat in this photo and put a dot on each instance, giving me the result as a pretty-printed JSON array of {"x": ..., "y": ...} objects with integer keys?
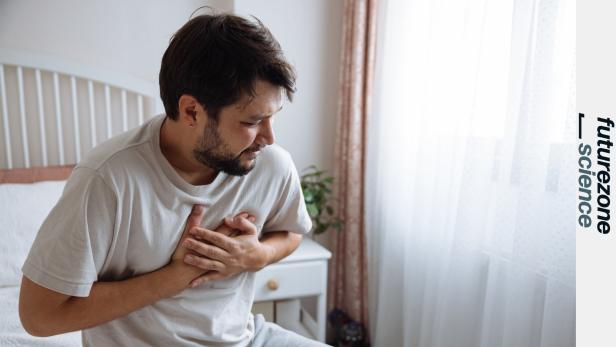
[{"x": 35, "y": 174}]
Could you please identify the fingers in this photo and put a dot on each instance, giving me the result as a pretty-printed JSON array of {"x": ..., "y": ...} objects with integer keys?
[
  {"x": 226, "y": 230},
  {"x": 196, "y": 216},
  {"x": 194, "y": 219},
  {"x": 242, "y": 222},
  {"x": 217, "y": 239},
  {"x": 204, "y": 263},
  {"x": 206, "y": 250},
  {"x": 250, "y": 217}
]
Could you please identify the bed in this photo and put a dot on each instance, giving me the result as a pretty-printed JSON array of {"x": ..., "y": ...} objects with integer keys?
[{"x": 51, "y": 113}]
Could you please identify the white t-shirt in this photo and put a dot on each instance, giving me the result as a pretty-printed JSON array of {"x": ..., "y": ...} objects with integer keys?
[{"x": 122, "y": 213}]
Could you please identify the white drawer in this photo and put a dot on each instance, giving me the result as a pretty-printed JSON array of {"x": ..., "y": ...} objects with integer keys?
[{"x": 292, "y": 280}]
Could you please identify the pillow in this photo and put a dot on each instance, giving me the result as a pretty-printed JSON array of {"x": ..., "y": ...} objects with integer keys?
[{"x": 23, "y": 208}]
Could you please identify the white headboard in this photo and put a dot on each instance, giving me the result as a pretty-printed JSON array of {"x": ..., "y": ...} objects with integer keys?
[{"x": 53, "y": 111}]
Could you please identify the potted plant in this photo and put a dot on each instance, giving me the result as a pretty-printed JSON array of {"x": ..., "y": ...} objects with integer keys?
[{"x": 316, "y": 186}]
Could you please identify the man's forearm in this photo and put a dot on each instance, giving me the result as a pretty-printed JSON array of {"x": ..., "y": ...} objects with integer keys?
[
  {"x": 280, "y": 244},
  {"x": 107, "y": 301}
]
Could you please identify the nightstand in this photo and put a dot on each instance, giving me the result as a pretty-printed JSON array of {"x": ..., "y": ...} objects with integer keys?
[{"x": 302, "y": 274}]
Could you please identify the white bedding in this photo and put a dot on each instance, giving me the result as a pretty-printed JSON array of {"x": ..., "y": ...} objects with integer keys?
[
  {"x": 23, "y": 207},
  {"x": 13, "y": 334}
]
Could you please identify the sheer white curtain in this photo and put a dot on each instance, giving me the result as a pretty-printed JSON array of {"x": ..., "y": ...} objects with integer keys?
[{"x": 470, "y": 205}]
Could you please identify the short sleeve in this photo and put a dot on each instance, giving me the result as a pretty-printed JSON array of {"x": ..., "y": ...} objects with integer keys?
[
  {"x": 289, "y": 212},
  {"x": 73, "y": 241}
]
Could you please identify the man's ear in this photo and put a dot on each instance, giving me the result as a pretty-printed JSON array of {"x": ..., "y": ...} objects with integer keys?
[{"x": 188, "y": 108}]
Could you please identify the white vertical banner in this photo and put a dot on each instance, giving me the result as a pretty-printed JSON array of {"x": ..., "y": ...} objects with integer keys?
[{"x": 595, "y": 227}]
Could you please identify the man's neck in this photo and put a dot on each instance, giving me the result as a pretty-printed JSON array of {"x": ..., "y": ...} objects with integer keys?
[{"x": 189, "y": 169}]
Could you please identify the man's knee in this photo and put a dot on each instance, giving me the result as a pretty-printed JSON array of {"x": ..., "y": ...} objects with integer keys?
[{"x": 272, "y": 335}]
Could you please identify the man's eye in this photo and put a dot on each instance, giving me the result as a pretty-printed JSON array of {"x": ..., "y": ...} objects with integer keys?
[{"x": 249, "y": 124}]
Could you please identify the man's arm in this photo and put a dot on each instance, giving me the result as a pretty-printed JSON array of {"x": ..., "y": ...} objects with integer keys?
[
  {"x": 44, "y": 312},
  {"x": 281, "y": 244}
]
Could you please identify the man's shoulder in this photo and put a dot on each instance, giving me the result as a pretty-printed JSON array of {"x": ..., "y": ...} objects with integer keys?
[
  {"x": 275, "y": 160},
  {"x": 117, "y": 150}
]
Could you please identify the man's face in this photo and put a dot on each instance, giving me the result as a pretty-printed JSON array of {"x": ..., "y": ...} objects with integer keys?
[{"x": 233, "y": 143}]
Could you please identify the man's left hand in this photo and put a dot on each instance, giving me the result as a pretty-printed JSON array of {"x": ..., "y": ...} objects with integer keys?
[{"x": 229, "y": 253}]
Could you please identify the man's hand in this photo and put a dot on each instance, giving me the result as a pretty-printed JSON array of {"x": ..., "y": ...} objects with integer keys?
[
  {"x": 225, "y": 254},
  {"x": 177, "y": 259}
]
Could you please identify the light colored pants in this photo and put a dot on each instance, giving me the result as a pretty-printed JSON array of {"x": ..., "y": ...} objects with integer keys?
[{"x": 271, "y": 335}]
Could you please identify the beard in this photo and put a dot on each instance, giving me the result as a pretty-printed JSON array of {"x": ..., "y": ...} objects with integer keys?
[{"x": 212, "y": 151}]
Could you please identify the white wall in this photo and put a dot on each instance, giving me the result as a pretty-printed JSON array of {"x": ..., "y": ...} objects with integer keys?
[
  {"x": 131, "y": 36},
  {"x": 124, "y": 36}
]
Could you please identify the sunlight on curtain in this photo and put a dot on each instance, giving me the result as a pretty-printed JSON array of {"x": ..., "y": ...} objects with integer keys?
[{"x": 470, "y": 205}]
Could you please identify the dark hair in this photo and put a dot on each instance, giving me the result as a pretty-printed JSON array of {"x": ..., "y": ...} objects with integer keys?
[{"x": 217, "y": 58}]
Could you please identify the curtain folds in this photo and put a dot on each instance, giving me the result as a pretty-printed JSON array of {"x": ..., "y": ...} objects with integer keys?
[
  {"x": 469, "y": 193},
  {"x": 348, "y": 268}
]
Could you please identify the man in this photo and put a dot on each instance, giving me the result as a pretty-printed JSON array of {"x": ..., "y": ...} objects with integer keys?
[{"x": 117, "y": 258}]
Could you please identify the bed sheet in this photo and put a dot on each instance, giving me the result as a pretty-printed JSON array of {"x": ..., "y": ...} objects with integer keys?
[{"x": 12, "y": 334}]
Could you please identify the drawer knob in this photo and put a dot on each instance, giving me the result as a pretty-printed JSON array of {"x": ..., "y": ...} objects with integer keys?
[{"x": 272, "y": 284}]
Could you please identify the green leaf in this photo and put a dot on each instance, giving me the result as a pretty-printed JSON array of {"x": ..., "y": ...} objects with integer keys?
[
  {"x": 311, "y": 168},
  {"x": 308, "y": 196},
  {"x": 313, "y": 211}
]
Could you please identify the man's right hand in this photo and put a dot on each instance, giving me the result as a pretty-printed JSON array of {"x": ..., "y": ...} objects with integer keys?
[
  {"x": 177, "y": 259},
  {"x": 194, "y": 220}
]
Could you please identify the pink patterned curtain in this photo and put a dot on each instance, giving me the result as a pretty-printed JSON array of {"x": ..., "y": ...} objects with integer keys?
[{"x": 348, "y": 273}]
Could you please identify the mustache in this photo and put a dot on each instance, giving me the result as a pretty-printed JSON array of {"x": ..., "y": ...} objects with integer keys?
[{"x": 254, "y": 149}]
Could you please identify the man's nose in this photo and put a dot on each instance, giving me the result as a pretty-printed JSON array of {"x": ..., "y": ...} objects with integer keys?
[{"x": 266, "y": 132}]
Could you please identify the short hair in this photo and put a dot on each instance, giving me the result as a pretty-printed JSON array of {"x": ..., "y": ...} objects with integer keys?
[{"x": 218, "y": 58}]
